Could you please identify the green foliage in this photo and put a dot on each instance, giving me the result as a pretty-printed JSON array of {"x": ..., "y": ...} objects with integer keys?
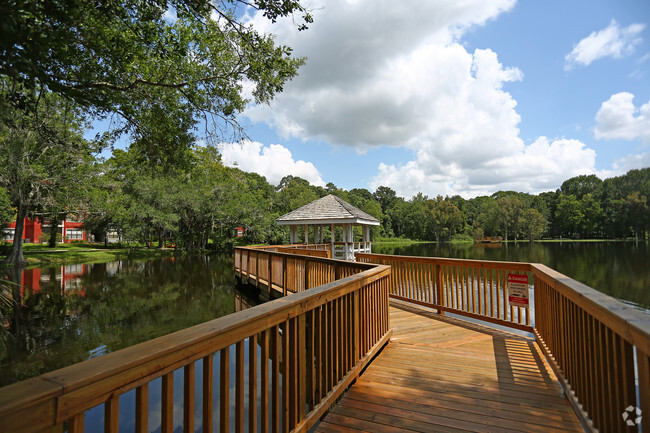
[
  {"x": 6, "y": 212},
  {"x": 43, "y": 157},
  {"x": 532, "y": 224},
  {"x": 160, "y": 76}
]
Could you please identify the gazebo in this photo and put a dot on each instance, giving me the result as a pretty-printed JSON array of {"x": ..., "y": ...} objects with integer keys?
[{"x": 334, "y": 212}]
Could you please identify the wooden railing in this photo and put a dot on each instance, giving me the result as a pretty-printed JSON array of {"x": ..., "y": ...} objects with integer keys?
[
  {"x": 302, "y": 351},
  {"x": 595, "y": 342},
  {"x": 471, "y": 288},
  {"x": 290, "y": 273},
  {"x": 597, "y": 345},
  {"x": 324, "y": 253}
]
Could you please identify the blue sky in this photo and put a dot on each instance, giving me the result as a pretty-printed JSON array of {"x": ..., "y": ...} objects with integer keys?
[{"x": 452, "y": 97}]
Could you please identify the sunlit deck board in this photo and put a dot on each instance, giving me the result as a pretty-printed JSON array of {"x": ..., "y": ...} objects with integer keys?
[{"x": 439, "y": 374}]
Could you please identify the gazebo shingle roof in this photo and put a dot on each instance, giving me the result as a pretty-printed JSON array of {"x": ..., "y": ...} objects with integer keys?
[{"x": 326, "y": 210}]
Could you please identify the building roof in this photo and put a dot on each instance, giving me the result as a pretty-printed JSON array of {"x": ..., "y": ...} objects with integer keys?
[{"x": 328, "y": 210}]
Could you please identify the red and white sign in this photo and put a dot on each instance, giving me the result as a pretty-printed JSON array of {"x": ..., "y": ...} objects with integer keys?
[{"x": 518, "y": 290}]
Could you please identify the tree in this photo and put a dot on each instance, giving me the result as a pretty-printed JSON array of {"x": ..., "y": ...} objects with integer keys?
[
  {"x": 569, "y": 214},
  {"x": 294, "y": 192},
  {"x": 582, "y": 185},
  {"x": 445, "y": 217},
  {"x": 592, "y": 215},
  {"x": 41, "y": 153},
  {"x": 532, "y": 224},
  {"x": 6, "y": 212},
  {"x": 131, "y": 59},
  {"x": 638, "y": 213},
  {"x": 510, "y": 209}
]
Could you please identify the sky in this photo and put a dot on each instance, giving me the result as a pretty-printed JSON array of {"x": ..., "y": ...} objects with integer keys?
[{"x": 456, "y": 97}]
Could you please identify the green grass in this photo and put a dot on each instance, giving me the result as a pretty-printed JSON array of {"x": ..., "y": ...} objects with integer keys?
[{"x": 81, "y": 252}]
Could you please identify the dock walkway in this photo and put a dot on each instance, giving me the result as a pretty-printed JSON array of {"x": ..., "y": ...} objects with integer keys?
[{"x": 440, "y": 374}]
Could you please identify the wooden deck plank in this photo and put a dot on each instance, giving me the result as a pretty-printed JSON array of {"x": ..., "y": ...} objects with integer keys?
[{"x": 442, "y": 374}]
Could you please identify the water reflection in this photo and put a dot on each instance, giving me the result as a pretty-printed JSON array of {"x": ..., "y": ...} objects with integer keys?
[
  {"x": 619, "y": 269},
  {"x": 67, "y": 314}
]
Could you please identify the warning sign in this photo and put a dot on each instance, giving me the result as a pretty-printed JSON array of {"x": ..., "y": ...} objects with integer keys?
[{"x": 518, "y": 290}]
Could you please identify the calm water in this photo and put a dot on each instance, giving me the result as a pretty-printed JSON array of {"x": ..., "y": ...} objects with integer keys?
[
  {"x": 620, "y": 269},
  {"x": 75, "y": 312}
]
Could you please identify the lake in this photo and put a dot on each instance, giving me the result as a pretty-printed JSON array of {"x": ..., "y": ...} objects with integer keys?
[
  {"x": 619, "y": 269},
  {"x": 71, "y": 313}
]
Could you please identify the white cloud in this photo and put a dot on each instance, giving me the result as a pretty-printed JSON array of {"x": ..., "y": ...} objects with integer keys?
[
  {"x": 376, "y": 70},
  {"x": 619, "y": 118},
  {"x": 273, "y": 162},
  {"x": 380, "y": 74},
  {"x": 540, "y": 166},
  {"x": 630, "y": 162},
  {"x": 612, "y": 41}
]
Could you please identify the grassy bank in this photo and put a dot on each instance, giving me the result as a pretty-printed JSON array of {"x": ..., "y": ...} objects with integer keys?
[{"x": 42, "y": 255}]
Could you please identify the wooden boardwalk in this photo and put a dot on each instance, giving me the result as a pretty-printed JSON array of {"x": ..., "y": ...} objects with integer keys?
[{"x": 439, "y": 374}]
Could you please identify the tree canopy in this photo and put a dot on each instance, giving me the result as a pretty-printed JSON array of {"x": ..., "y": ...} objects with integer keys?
[{"x": 161, "y": 66}]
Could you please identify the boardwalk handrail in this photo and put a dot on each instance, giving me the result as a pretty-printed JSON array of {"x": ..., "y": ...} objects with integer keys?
[
  {"x": 290, "y": 273},
  {"x": 592, "y": 340},
  {"x": 471, "y": 288},
  {"x": 315, "y": 343}
]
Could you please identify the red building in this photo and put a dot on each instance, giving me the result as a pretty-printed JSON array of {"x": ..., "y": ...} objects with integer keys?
[{"x": 70, "y": 230}]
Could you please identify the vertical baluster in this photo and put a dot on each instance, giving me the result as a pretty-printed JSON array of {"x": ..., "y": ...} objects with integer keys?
[
  {"x": 589, "y": 362},
  {"x": 264, "y": 381},
  {"x": 141, "y": 408},
  {"x": 325, "y": 350},
  {"x": 475, "y": 289},
  {"x": 76, "y": 423},
  {"x": 500, "y": 295},
  {"x": 643, "y": 364},
  {"x": 224, "y": 390},
  {"x": 188, "y": 398},
  {"x": 463, "y": 288},
  {"x": 491, "y": 290},
  {"x": 286, "y": 386},
  {"x": 239, "y": 387},
  {"x": 310, "y": 368},
  {"x": 112, "y": 414},
  {"x": 208, "y": 392},
  {"x": 252, "y": 383},
  {"x": 627, "y": 373},
  {"x": 167, "y": 411},
  {"x": 512, "y": 309},
  {"x": 293, "y": 372},
  {"x": 318, "y": 357},
  {"x": 275, "y": 379}
]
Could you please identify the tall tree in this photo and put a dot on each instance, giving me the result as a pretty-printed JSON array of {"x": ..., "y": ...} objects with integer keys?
[
  {"x": 41, "y": 153},
  {"x": 510, "y": 209},
  {"x": 175, "y": 61},
  {"x": 532, "y": 224},
  {"x": 582, "y": 185},
  {"x": 6, "y": 212},
  {"x": 444, "y": 218},
  {"x": 638, "y": 213},
  {"x": 570, "y": 215}
]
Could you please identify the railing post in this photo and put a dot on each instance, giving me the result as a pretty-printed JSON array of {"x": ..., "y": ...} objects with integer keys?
[
  {"x": 284, "y": 275},
  {"x": 439, "y": 288},
  {"x": 257, "y": 269},
  {"x": 306, "y": 274},
  {"x": 248, "y": 266},
  {"x": 643, "y": 364},
  {"x": 270, "y": 273},
  {"x": 356, "y": 348}
]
